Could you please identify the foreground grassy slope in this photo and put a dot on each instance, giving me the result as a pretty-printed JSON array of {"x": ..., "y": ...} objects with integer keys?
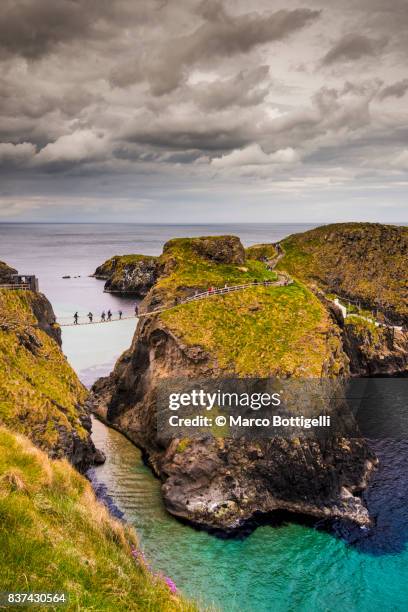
[
  {"x": 40, "y": 394},
  {"x": 55, "y": 536},
  {"x": 362, "y": 261}
]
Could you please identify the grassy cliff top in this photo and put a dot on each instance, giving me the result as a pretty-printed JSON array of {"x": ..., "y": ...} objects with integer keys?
[
  {"x": 363, "y": 261},
  {"x": 262, "y": 331},
  {"x": 208, "y": 261},
  {"x": 54, "y": 535},
  {"x": 39, "y": 391}
]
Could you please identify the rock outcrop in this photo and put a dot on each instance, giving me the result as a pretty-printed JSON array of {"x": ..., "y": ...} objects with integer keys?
[
  {"x": 222, "y": 483},
  {"x": 374, "y": 350},
  {"x": 129, "y": 274},
  {"x": 285, "y": 331},
  {"x": 137, "y": 274},
  {"x": 220, "y": 249},
  {"x": 40, "y": 395}
]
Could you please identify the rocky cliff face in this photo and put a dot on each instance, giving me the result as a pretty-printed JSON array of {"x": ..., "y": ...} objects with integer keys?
[
  {"x": 40, "y": 395},
  {"x": 222, "y": 483},
  {"x": 375, "y": 351},
  {"x": 129, "y": 274}
]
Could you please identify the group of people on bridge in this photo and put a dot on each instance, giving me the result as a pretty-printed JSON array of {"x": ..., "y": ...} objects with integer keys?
[{"x": 105, "y": 316}]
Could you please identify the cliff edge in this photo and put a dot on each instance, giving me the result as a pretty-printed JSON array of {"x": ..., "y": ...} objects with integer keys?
[{"x": 40, "y": 394}]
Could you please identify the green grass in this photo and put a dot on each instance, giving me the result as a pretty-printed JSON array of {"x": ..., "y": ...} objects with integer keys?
[
  {"x": 188, "y": 269},
  {"x": 39, "y": 391},
  {"x": 261, "y": 252},
  {"x": 363, "y": 327},
  {"x": 262, "y": 331},
  {"x": 363, "y": 261},
  {"x": 55, "y": 536},
  {"x": 354, "y": 309}
]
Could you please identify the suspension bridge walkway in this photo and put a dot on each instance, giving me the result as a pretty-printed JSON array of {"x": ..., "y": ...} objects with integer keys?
[{"x": 282, "y": 280}]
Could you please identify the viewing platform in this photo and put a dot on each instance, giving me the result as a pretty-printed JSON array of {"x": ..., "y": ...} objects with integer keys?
[{"x": 28, "y": 282}]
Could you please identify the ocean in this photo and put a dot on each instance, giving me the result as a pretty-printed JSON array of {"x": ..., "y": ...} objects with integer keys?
[{"x": 286, "y": 567}]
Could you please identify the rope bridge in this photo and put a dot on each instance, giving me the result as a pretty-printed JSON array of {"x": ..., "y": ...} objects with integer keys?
[{"x": 68, "y": 322}]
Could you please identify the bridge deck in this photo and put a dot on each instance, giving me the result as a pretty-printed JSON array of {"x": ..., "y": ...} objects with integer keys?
[{"x": 63, "y": 322}]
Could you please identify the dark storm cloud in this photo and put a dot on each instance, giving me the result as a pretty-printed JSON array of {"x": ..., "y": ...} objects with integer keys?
[
  {"x": 352, "y": 47},
  {"x": 34, "y": 28},
  {"x": 192, "y": 134},
  {"x": 247, "y": 88},
  {"x": 31, "y": 29},
  {"x": 221, "y": 35},
  {"x": 396, "y": 90},
  {"x": 125, "y": 95}
]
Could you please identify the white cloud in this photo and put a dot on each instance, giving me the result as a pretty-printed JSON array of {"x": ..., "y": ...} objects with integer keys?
[
  {"x": 253, "y": 155},
  {"x": 79, "y": 146}
]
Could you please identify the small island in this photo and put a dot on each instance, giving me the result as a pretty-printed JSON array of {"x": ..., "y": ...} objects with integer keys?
[{"x": 291, "y": 330}]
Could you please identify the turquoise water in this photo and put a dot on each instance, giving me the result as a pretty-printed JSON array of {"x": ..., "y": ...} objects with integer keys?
[{"x": 292, "y": 567}]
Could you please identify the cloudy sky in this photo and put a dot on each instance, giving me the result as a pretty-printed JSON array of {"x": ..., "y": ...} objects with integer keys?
[{"x": 203, "y": 111}]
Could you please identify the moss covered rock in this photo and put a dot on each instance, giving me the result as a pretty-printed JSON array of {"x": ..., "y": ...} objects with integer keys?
[
  {"x": 195, "y": 264},
  {"x": 129, "y": 274},
  {"x": 219, "y": 249},
  {"x": 263, "y": 331}
]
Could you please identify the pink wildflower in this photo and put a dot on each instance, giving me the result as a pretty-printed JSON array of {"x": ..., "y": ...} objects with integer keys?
[{"x": 170, "y": 584}]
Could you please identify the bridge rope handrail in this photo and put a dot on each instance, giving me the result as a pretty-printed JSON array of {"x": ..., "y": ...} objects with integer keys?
[{"x": 191, "y": 298}]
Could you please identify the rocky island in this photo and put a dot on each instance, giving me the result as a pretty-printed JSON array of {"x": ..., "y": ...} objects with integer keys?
[
  {"x": 129, "y": 274},
  {"x": 291, "y": 330}
]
